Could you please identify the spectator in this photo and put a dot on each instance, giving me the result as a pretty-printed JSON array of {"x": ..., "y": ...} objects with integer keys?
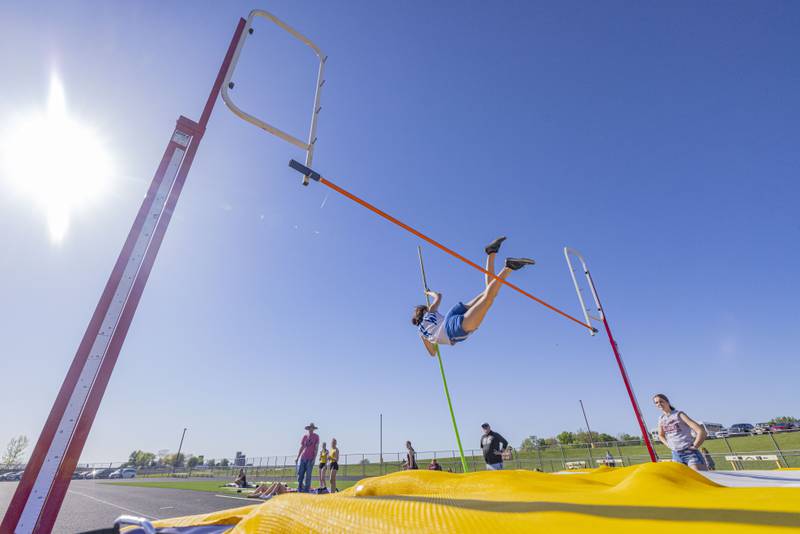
[
  {"x": 241, "y": 480},
  {"x": 306, "y": 456},
  {"x": 492, "y": 445},
  {"x": 323, "y": 460},
  {"x": 411, "y": 457},
  {"x": 267, "y": 491},
  {"x": 709, "y": 460},
  {"x": 609, "y": 460},
  {"x": 434, "y": 466},
  {"x": 333, "y": 463},
  {"x": 675, "y": 430}
]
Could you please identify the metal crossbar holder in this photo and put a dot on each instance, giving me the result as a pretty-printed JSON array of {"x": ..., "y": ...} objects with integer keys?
[
  {"x": 572, "y": 252},
  {"x": 307, "y": 172},
  {"x": 307, "y": 146}
]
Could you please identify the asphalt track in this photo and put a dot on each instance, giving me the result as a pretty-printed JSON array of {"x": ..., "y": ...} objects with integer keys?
[{"x": 91, "y": 505}]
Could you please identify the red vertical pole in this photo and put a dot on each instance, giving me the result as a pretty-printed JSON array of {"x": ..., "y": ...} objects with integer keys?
[
  {"x": 634, "y": 403},
  {"x": 40, "y": 493}
]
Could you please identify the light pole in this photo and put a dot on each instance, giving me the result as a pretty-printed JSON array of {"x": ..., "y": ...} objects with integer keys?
[
  {"x": 589, "y": 430},
  {"x": 178, "y": 456},
  {"x": 381, "y": 443}
]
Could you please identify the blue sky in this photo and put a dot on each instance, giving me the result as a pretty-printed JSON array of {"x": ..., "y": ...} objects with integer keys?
[{"x": 661, "y": 141}]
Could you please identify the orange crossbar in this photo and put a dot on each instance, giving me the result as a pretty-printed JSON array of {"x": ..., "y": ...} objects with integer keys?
[{"x": 438, "y": 245}]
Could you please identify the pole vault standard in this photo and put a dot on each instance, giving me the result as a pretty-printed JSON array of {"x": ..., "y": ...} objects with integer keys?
[
  {"x": 603, "y": 319},
  {"x": 41, "y": 491},
  {"x": 441, "y": 367}
]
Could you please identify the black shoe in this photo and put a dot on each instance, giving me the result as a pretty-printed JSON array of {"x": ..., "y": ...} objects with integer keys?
[
  {"x": 494, "y": 246},
  {"x": 518, "y": 263}
]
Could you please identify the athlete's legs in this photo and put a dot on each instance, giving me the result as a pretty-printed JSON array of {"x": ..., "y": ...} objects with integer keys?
[
  {"x": 481, "y": 304},
  {"x": 489, "y": 267},
  {"x": 487, "y": 278}
]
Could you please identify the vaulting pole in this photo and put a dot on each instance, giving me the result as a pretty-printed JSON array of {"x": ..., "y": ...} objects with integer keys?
[{"x": 441, "y": 366}]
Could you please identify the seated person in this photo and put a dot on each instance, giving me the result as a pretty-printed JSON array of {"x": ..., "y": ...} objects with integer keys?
[
  {"x": 434, "y": 466},
  {"x": 266, "y": 491},
  {"x": 241, "y": 480}
]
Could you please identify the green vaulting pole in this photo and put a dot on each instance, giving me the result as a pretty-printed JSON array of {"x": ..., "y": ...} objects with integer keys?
[{"x": 441, "y": 367}]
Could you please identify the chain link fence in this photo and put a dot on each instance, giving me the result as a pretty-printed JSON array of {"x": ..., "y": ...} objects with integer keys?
[{"x": 784, "y": 446}]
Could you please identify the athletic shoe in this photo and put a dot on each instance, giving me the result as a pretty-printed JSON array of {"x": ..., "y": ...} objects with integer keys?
[
  {"x": 518, "y": 263},
  {"x": 494, "y": 246}
]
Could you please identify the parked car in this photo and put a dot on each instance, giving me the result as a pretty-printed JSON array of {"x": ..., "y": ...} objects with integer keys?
[
  {"x": 740, "y": 429},
  {"x": 82, "y": 474},
  {"x": 711, "y": 428},
  {"x": 98, "y": 473},
  {"x": 126, "y": 472},
  {"x": 721, "y": 433},
  {"x": 14, "y": 475},
  {"x": 780, "y": 427},
  {"x": 761, "y": 428}
]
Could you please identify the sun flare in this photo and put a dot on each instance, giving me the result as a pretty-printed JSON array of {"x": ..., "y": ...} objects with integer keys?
[{"x": 54, "y": 160}]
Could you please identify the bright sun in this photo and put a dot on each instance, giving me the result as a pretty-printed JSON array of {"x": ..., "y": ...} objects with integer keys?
[{"x": 55, "y": 161}]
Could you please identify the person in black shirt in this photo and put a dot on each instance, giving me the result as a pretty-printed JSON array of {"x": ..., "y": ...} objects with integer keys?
[{"x": 492, "y": 445}]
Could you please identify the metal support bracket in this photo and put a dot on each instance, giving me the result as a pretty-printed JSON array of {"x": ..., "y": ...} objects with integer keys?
[
  {"x": 307, "y": 146},
  {"x": 598, "y": 307}
]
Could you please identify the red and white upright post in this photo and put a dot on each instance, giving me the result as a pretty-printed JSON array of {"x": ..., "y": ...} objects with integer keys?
[
  {"x": 601, "y": 317},
  {"x": 41, "y": 491}
]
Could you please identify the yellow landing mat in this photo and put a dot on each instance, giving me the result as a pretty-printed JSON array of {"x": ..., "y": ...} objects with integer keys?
[{"x": 665, "y": 497}]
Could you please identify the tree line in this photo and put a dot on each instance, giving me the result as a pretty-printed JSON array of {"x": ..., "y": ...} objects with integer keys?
[{"x": 143, "y": 459}]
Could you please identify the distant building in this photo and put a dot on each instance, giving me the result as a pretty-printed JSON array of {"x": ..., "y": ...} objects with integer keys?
[{"x": 240, "y": 459}]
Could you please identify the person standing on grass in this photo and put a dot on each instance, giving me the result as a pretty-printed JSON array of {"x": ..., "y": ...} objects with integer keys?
[
  {"x": 492, "y": 445},
  {"x": 305, "y": 458},
  {"x": 411, "y": 457},
  {"x": 681, "y": 434},
  {"x": 708, "y": 458},
  {"x": 333, "y": 463},
  {"x": 323, "y": 460}
]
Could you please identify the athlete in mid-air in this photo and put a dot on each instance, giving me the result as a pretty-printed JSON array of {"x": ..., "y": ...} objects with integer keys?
[{"x": 463, "y": 319}]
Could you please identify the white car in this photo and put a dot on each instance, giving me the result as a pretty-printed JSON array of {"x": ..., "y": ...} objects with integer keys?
[
  {"x": 721, "y": 434},
  {"x": 127, "y": 472}
]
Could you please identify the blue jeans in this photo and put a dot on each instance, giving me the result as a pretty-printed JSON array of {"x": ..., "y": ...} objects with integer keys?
[
  {"x": 304, "y": 469},
  {"x": 494, "y": 467},
  {"x": 688, "y": 457}
]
